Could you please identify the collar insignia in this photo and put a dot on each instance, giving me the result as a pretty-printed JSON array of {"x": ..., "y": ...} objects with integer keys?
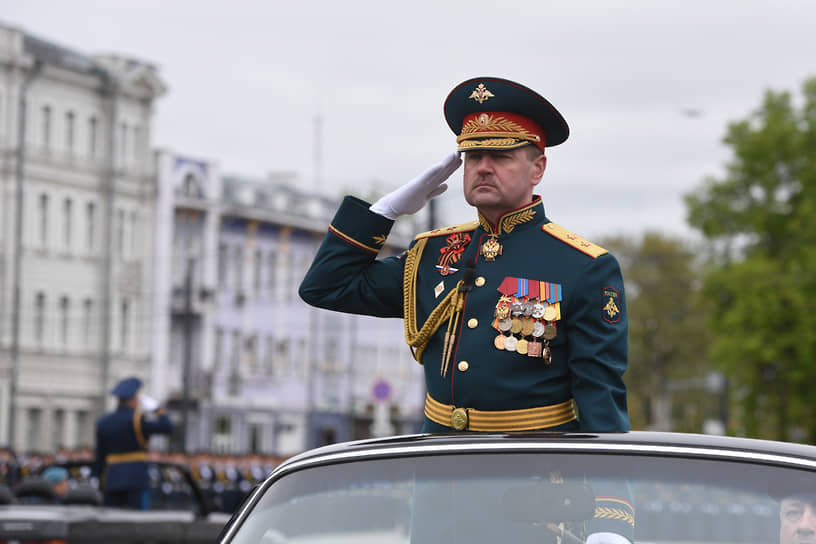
[{"x": 510, "y": 220}]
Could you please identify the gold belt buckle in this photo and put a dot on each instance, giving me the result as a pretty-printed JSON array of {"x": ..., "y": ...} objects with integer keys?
[{"x": 459, "y": 419}]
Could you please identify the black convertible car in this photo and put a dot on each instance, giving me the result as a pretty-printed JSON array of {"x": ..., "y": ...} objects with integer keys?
[{"x": 536, "y": 487}]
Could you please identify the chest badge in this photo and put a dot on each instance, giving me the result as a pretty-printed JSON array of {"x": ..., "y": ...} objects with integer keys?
[
  {"x": 491, "y": 249},
  {"x": 452, "y": 252}
]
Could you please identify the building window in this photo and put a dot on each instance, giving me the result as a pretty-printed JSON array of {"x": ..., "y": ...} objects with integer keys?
[
  {"x": 46, "y": 126},
  {"x": 238, "y": 264},
  {"x": 124, "y": 325},
  {"x": 270, "y": 356},
  {"x": 67, "y": 224},
  {"x": 120, "y": 231},
  {"x": 137, "y": 140},
  {"x": 123, "y": 132},
  {"x": 255, "y": 437},
  {"x": 87, "y": 322},
  {"x": 43, "y": 212},
  {"x": 223, "y": 425},
  {"x": 83, "y": 428},
  {"x": 218, "y": 362},
  {"x": 223, "y": 259},
  {"x": 250, "y": 355},
  {"x": 257, "y": 267},
  {"x": 271, "y": 272},
  {"x": 39, "y": 319},
  {"x": 93, "y": 129},
  {"x": 65, "y": 320},
  {"x": 57, "y": 429},
  {"x": 90, "y": 224},
  {"x": 34, "y": 417},
  {"x": 134, "y": 229},
  {"x": 190, "y": 186},
  {"x": 69, "y": 132}
]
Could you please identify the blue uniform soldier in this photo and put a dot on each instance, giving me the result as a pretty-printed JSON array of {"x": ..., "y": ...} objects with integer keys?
[{"x": 121, "y": 448}]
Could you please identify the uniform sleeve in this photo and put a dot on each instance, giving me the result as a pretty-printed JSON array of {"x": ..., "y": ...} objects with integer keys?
[
  {"x": 158, "y": 425},
  {"x": 346, "y": 275},
  {"x": 597, "y": 333}
]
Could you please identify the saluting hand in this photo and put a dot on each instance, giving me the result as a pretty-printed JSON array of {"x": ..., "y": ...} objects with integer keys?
[{"x": 412, "y": 197}]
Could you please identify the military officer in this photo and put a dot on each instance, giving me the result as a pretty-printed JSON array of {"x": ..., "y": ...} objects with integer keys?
[
  {"x": 520, "y": 324},
  {"x": 121, "y": 447}
]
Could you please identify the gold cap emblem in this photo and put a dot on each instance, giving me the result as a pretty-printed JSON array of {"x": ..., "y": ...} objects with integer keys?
[{"x": 481, "y": 94}]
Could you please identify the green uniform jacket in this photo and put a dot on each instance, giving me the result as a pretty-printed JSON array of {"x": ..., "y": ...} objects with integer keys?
[{"x": 588, "y": 353}]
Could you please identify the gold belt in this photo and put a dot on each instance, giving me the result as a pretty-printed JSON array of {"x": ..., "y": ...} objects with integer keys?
[
  {"x": 527, "y": 419},
  {"x": 129, "y": 457}
]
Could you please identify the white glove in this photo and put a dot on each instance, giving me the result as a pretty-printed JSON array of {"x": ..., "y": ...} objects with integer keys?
[
  {"x": 411, "y": 197},
  {"x": 147, "y": 404},
  {"x": 606, "y": 538}
]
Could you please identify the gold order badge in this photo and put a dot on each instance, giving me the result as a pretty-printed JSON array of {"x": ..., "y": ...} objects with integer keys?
[
  {"x": 491, "y": 249},
  {"x": 459, "y": 419}
]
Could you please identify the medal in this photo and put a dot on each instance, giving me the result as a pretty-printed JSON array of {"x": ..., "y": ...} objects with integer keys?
[
  {"x": 510, "y": 343},
  {"x": 516, "y": 325},
  {"x": 538, "y": 311},
  {"x": 538, "y": 329},
  {"x": 549, "y": 331},
  {"x": 505, "y": 324},
  {"x": 534, "y": 349},
  {"x": 521, "y": 346},
  {"x": 546, "y": 354},
  {"x": 491, "y": 249},
  {"x": 499, "y": 341},
  {"x": 527, "y": 326},
  {"x": 550, "y": 313},
  {"x": 503, "y": 308}
]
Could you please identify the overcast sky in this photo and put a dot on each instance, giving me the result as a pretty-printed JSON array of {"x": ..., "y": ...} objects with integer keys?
[{"x": 247, "y": 79}]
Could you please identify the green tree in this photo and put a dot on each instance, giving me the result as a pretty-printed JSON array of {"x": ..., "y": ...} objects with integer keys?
[
  {"x": 667, "y": 336},
  {"x": 760, "y": 222}
]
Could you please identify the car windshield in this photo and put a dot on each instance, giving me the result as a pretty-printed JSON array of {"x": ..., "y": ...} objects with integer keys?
[{"x": 523, "y": 497}]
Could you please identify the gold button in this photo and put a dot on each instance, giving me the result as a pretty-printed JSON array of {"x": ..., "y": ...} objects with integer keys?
[
  {"x": 463, "y": 366},
  {"x": 480, "y": 281},
  {"x": 473, "y": 323}
]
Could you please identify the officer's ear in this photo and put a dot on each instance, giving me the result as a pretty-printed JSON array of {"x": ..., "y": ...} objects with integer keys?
[{"x": 539, "y": 164}]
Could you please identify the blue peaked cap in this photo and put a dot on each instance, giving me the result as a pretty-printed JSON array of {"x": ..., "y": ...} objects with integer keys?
[{"x": 127, "y": 388}]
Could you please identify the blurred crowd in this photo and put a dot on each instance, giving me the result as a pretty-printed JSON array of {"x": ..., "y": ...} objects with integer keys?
[{"x": 224, "y": 478}]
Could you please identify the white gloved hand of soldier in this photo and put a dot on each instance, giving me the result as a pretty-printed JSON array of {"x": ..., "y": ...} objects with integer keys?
[{"x": 411, "y": 197}]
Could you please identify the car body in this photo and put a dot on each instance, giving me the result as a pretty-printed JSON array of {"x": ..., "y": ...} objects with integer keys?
[
  {"x": 528, "y": 487},
  {"x": 179, "y": 514}
]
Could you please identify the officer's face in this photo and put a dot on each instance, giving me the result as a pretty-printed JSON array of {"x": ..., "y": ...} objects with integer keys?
[
  {"x": 498, "y": 181},
  {"x": 797, "y": 522}
]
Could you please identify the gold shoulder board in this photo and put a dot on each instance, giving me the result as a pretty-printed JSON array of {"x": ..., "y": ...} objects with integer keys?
[
  {"x": 464, "y": 227},
  {"x": 578, "y": 242}
]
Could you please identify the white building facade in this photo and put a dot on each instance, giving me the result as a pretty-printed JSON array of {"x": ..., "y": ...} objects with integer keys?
[{"x": 77, "y": 198}]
